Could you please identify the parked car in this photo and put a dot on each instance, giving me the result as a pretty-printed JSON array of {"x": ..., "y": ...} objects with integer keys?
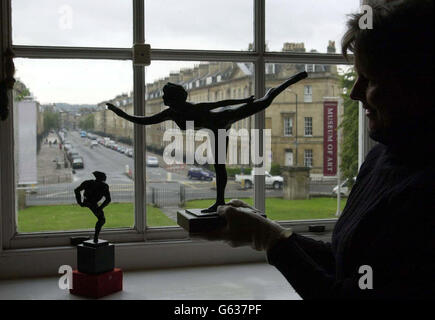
[
  {"x": 200, "y": 174},
  {"x": 72, "y": 154},
  {"x": 152, "y": 161},
  {"x": 67, "y": 146},
  {"x": 77, "y": 163},
  {"x": 129, "y": 153},
  {"x": 345, "y": 188},
  {"x": 271, "y": 181},
  {"x": 121, "y": 149}
]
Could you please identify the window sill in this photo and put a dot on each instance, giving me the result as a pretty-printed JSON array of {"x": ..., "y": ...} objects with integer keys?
[{"x": 156, "y": 252}]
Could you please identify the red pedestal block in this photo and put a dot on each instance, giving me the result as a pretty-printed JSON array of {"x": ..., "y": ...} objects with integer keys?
[{"x": 96, "y": 285}]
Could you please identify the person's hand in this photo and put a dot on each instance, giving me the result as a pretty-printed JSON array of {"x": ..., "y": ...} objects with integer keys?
[{"x": 245, "y": 227}]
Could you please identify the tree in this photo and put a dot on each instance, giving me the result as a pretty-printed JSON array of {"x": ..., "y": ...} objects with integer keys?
[
  {"x": 21, "y": 91},
  {"x": 51, "y": 120},
  {"x": 349, "y": 150},
  {"x": 87, "y": 123}
]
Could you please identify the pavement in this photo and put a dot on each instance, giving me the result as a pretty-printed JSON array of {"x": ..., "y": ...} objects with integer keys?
[{"x": 47, "y": 171}]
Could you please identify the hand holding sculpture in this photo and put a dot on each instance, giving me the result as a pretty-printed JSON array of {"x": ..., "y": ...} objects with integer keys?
[{"x": 245, "y": 227}]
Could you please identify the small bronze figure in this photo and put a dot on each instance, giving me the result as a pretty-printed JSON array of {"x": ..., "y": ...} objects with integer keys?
[
  {"x": 95, "y": 190},
  {"x": 205, "y": 116}
]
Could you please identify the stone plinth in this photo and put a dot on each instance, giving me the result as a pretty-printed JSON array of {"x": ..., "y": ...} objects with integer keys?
[{"x": 296, "y": 183}]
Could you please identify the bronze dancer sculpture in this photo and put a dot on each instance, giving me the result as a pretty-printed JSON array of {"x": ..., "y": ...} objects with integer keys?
[
  {"x": 205, "y": 117},
  {"x": 94, "y": 191}
]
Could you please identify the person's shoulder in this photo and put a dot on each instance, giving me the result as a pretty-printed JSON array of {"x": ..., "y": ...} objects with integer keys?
[
  {"x": 371, "y": 159},
  {"x": 375, "y": 152},
  {"x": 422, "y": 181},
  {"x": 87, "y": 182}
]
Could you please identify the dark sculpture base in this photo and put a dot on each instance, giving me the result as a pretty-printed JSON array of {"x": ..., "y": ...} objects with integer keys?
[
  {"x": 75, "y": 241},
  {"x": 94, "y": 258},
  {"x": 96, "y": 285},
  {"x": 193, "y": 220}
]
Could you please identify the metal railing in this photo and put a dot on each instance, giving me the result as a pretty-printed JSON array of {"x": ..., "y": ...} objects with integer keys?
[{"x": 160, "y": 194}]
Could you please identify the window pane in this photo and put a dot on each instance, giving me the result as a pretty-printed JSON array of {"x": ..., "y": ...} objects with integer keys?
[
  {"x": 61, "y": 136},
  {"x": 192, "y": 184},
  {"x": 199, "y": 24},
  {"x": 96, "y": 23},
  {"x": 307, "y": 161},
  {"x": 304, "y": 26}
]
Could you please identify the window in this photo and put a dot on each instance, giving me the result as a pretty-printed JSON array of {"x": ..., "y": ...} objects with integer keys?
[
  {"x": 310, "y": 67},
  {"x": 308, "y": 127},
  {"x": 288, "y": 158},
  {"x": 288, "y": 126},
  {"x": 308, "y": 94},
  {"x": 64, "y": 57},
  {"x": 308, "y": 158}
]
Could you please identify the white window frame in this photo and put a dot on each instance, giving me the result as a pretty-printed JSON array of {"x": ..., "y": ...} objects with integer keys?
[
  {"x": 134, "y": 243},
  {"x": 288, "y": 128},
  {"x": 308, "y": 93},
  {"x": 308, "y": 157},
  {"x": 306, "y": 126}
]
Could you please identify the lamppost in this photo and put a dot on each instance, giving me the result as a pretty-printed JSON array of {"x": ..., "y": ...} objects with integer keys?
[{"x": 296, "y": 126}]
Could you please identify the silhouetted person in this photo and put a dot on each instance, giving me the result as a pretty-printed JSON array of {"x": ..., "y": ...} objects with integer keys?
[
  {"x": 383, "y": 244},
  {"x": 94, "y": 191},
  {"x": 205, "y": 116}
]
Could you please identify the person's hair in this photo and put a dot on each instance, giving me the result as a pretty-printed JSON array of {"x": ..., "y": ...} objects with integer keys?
[
  {"x": 401, "y": 40},
  {"x": 175, "y": 92}
]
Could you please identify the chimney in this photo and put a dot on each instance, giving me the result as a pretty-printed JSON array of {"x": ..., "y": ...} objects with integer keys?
[
  {"x": 293, "y": 47},
  {"x": 174, "y": 77},
  {"x": 213, "y": 67},
  {"x": 186, "y": 75},
  {"x": 196, "y": 72},
  {"x": 203, "y": 69},
  {"x": 331, "y": 46}
]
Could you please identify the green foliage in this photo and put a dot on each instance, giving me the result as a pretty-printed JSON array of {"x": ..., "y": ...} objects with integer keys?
[
  {"x": 21, "y": 91},
  {"x": 51, "y": 120},
  {"x": 349, "y": 150},
  {"x": 282, "y": 209},
  {"x": 231, "y": 172},
  {"x": 87, "y": 123},
  {"x": 275, "y": 169}
]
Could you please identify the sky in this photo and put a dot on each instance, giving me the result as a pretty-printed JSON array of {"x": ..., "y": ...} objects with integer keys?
[{"x": 169, "y": 24}]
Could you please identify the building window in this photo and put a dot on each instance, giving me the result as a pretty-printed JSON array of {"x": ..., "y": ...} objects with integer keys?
[
  {"x": 308, "y": 126},
  {"x": 310, "y": 67},
  {"x": 308, "y": 158},
  {"x": 288, "y": 127},
  {"x": 308, "y": 94},
  {"x": 288, "y": 161}
]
